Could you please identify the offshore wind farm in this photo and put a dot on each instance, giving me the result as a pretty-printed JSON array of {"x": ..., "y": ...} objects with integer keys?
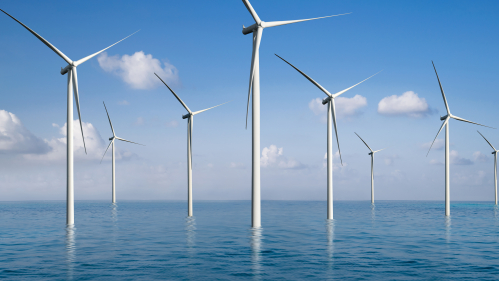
[{"x": 260, "y": 180}]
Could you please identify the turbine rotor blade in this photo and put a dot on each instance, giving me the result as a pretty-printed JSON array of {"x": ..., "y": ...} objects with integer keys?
[
  {"x": 364, "y": 142},
  {"x": 336, "y": 130},
  {"x": 441, "y": 127},
  {"x": 185, "y": 106},
  {"x": 487, "y": 141},
  {"x": 128, "y": 141},
  {"x": 277, "y": 23},
  {"x": 78, "y": 62},
  {"x": 341, "y": 92},
  {"x": 194, "y": 113},
  {"x": 379, "y": 150},
  {"x": 464, "y": 120},
  {"x": 441, "y": 90},
  {"x": 308, "y": 77},
  {"x": 109, "y": 118},
  {"x": 256, "y": 46},
  {"x": 106, "y": 150},
  {"x": 77, "y": 99},
  {"x": 252, "y": 11},
  {"x": 47, "y": 43}
]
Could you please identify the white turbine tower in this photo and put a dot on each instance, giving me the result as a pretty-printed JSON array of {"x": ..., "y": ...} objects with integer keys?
[
  {"x": 254, "y": 83},
  {"x": 495, "y": 166},
  {"x": 190, "y": 119},
  {"x": 372, "y": 167},
  {"x": 331, "y": 119},
  {"x": 111, "y": 141},
  {"x": 72, "y": 85},
  {"x": 446, "y": 119}
]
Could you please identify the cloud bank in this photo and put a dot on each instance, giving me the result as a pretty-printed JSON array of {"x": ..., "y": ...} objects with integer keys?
[
  {"x": 138, "y": 69},
  {"x": 273, "y": 157},
  {"x": 16, "y": 139},
  {"x": 408, "y": 104}
]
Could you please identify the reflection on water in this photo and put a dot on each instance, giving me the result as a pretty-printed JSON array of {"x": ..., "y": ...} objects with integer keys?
[
  {"x": 114, "y": 213},
  {"x": 190, "y": 232},
  {"x": 70, "y": 250},
  {"x": 330, "y": 248},
  {"x": 256, "y": 249},
  {"x": 447, "y": 229},
  {"x": 496, "y": 213},
  {"x": 373, "y": 212}
]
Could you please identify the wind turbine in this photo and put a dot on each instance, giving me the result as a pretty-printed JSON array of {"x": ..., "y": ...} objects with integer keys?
[
  {"x": 331, "y": 118},
  {"x": 190, "y": 118},
  {"x": 72, "y": 85},
  {"x": 372, "y": 167},
  {"x": 495, "y": 165},
  {"x": 111, "y": 141},
  {"x": 254, "y": 83},
  {"x": 446, "y": 119}
]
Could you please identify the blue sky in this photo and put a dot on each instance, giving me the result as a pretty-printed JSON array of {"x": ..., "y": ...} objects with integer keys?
[{"x": 198, "y": 47}]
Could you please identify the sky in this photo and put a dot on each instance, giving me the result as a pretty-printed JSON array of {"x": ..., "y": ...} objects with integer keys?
[{"x": 198, "y": 48}]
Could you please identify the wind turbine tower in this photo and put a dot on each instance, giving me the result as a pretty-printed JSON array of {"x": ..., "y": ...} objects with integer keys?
[
  {"x": 372, "y": 167},
  {"x": 495, "y": 166},
  {"x": 331, "y": 119},
  {"x": 446, "y": 119},
  {"x": 190, "y": 119},
  {"x": 70, "y": 69},
  {"x": 111, "y": 142},
  {"x": 254, "y": 84}
]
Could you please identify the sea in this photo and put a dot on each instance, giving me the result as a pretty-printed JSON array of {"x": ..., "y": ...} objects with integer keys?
[{"x": 155, "y": 240}]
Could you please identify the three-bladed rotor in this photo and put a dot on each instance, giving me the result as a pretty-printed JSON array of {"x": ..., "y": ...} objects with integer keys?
[
  {"x": 330, "y": 98},
  {"x": 257, "y": 29},
  {"x": 71, "y": 67},
  {"x": 372, "y": 152},
  {"x": 447, "y": 117},
  {"x": 114, "y": 137}
]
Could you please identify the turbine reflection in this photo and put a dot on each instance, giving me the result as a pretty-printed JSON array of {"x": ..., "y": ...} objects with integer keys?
[
  {"x": 70, "y": 249},
  {"x": 190, "y": 232},
  {"x": 256, "y": 249}
]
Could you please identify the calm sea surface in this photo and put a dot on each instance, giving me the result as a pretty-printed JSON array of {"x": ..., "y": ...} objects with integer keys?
[{"x": 396, "y": 240}]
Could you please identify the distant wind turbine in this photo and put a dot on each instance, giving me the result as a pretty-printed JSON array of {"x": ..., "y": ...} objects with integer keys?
[
  {"x": 254, "y": 83},
  {"x": 331, "y": 118},
  {"x": 495, "y": 165},
  {"x": 111, "y": 142},
  {"x": 190, "y": 119},
  {"x": 72, "y": 85},
  {"x": 372, "y": 167},
  {"x": 446, "y": 119}
]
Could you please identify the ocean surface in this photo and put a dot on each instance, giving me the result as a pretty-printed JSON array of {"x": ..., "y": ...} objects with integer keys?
[{"x": 154, "y": 240}]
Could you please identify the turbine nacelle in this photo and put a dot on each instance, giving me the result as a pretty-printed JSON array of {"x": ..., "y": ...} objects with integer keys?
[
  {"x": 326, "y": 100},
  {"x": 111, "y": 138},
  {"x": 442, "y": 118},
  {"x": 66, "y": 69},
  {"x": 250, "y": 29},
  {"x": 186, "y": 116}
]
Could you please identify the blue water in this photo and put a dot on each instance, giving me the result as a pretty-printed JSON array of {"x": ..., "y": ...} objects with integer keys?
[{"x": 397, "y": 240}]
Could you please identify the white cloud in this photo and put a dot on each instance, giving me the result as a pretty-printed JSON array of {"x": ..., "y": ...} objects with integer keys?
[
  {"x": 456, "y": 160},
  {"x": 237, "y": 165},
  {"x": 336, "y": 161},
  {"x": 345, "y": 107},
  {"x": 389, "y": 160},
  {"x": 273, "y": 156},
  {"x": 16, "y": 139},
  {"x": 172, "y": 124},
  {"x": 140, "y": 121},
  {"x": 438, "y": 145},
  {"x": 435, "y": 162},
  {"x": 480, "y": 157},
  {"x": 138, "y": 69},
  {"x": 408, "y": 104},
  {"x": 94, "y": 143},
  {"x": 123, "y": 102}
]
